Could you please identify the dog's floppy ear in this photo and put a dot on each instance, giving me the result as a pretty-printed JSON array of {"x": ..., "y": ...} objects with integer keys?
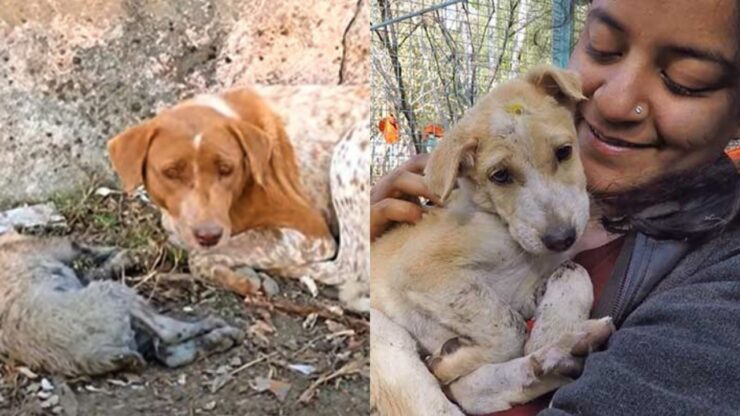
[
  {"x": 561, "y": 84},
  {"x": 257, "y": 145},
  {"x": 452, "y": 156},
  {"x": 127, "y": 153}
]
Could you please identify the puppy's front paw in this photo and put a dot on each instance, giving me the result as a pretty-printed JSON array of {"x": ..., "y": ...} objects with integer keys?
[
  {"x": 593, "y": 335},
  {"x": 553, "y": 360},
  {"x": 452, "y": 360}
]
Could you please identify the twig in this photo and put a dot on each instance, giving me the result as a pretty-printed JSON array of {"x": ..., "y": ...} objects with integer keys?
[
  {"x": 252, "y": 363},
  {"x": 347, "y": 369},
  {"x": 360, "y": 325}
]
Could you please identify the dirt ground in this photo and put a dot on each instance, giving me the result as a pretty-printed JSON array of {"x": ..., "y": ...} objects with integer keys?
[{"x": 303, "y": 355}]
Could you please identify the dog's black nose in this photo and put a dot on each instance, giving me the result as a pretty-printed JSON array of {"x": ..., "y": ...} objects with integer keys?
[
  {"x": 560, "y": 239},
  {"x": 208, "y": 235}
]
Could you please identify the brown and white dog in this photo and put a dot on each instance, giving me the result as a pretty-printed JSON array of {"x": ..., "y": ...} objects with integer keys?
[
  {"x": 462, "y": 282},
  {"x": 237, "y": 192}
]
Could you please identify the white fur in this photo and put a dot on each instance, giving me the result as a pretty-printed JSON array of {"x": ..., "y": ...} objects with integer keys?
[{"x": 216, "y": 103}]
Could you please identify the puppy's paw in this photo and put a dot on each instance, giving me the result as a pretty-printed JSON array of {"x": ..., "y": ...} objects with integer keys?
[
  {"x": 593, "y": 335},
  {"x": 452, "y": 360},
  {"x": 553, "y": 360}
]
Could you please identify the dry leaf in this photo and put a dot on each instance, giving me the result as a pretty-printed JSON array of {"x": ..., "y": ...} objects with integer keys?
[{"x": 277, "y": 387}]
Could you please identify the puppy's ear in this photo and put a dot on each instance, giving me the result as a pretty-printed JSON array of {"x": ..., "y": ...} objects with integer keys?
[
  {"x": 257, "y": 145},
  {"x": 127, "y": 153},
  {"x": 452, "y": 157},
  {"x": 561, "y": 84}
]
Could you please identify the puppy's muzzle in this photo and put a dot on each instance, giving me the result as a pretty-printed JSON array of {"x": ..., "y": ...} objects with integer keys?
[{"x": 559, "y": 238}]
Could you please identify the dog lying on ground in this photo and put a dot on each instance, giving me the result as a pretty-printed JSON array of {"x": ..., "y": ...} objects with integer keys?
[
  {"x": 237, "y": 191},
  {"x": 50, "y": 320},
  {"x": 464, "y": 280}
]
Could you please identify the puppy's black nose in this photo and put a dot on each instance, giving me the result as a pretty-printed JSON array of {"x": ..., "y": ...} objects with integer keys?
[
  {"x": 208, "y": 235},
  {"x": 559, "y": 239}
]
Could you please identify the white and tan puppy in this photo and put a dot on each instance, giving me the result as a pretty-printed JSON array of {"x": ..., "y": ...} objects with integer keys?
[{"x": 464, "y": 280}]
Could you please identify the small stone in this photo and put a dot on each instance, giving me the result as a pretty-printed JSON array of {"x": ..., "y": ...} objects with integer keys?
[
  {"x": 269, "y": 286},
  {"x": 50, "y": 402},
  {"x": 46, "y": 385},
  {"x": 57, "y": 410},
  {"x": 182, "y": 379},
  {"x": 33, "y": 388},
  {"x": 187, "y": 309},
  {"x": 235, "y": 362},
  {"x": 223, "y": 369},
  {"x": 43, "y": 395},
  {"x": 210, "y": 406}
]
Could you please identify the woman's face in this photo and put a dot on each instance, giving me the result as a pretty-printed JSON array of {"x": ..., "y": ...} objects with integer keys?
[{"x": 661, "y": 78}]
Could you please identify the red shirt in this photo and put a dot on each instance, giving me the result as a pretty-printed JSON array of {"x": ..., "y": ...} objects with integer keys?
[{"x": 599, "y": 263}]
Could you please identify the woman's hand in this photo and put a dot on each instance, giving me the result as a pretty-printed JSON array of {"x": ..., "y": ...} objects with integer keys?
[{"x": 395, "y": 198}]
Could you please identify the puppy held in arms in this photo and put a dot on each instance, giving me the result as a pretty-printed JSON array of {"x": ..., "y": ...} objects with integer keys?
[
  {"x": 465, "y": 279},
  {"x": 52, "y": 320}
]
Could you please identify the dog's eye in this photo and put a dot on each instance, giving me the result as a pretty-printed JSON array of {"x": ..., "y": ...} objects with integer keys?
[
  {"x": 225, "y": 170},
  {"x": 501, "y": 177},
  {"x": 173, "y": 173},
  {"x": 563, "y": 152}
]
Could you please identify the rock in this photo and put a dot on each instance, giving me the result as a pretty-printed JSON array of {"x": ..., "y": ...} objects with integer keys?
[
  {"x": 235, "y": 362},
  {"x": 50, "y": 402},
  {"x": 270, "y": 287},
  {"x": 46, "y": 385},
  {"x": 74, "y": 73}
]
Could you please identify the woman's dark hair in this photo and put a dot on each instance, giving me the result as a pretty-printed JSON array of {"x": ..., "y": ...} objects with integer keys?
[{"x": 688, "y": 205}]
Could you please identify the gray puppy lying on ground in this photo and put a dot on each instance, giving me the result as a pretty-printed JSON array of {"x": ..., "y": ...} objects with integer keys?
[{"x": 51, "y": 320}]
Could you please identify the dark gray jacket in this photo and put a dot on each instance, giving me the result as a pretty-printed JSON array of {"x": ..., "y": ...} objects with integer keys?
[{"x": 677, "y": 348}]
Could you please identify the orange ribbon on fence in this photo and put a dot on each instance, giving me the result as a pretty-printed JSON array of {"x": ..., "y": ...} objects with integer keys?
[
  {"x": 433, "y": 130},
  {"x": 389, "y": 127}
]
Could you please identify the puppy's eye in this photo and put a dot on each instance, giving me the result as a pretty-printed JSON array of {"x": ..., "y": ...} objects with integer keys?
[
  {"x": 563, "y": 152},
  {"x": 225, "y": 170},
  {"x": 501, "y": 177}
]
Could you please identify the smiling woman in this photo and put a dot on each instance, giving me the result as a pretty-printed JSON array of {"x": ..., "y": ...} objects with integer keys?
[
  {"x": 662, "y": 99},
  {"x": 661, "y": 79}
]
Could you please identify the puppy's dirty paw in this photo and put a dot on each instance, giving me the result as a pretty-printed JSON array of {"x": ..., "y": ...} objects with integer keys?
[
  {"x": 594, "y": 333},
  {"x": 555, "y": 360},
  {"x": 453, "y": 344}
]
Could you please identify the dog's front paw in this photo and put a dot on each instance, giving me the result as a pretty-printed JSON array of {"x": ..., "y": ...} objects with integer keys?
[{"x": 565, "y": 357}]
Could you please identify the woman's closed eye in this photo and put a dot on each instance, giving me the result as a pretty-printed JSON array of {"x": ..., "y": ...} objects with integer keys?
[
  {"x": 602, "y": 56},
  {"x": 689, "y": 77}
]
